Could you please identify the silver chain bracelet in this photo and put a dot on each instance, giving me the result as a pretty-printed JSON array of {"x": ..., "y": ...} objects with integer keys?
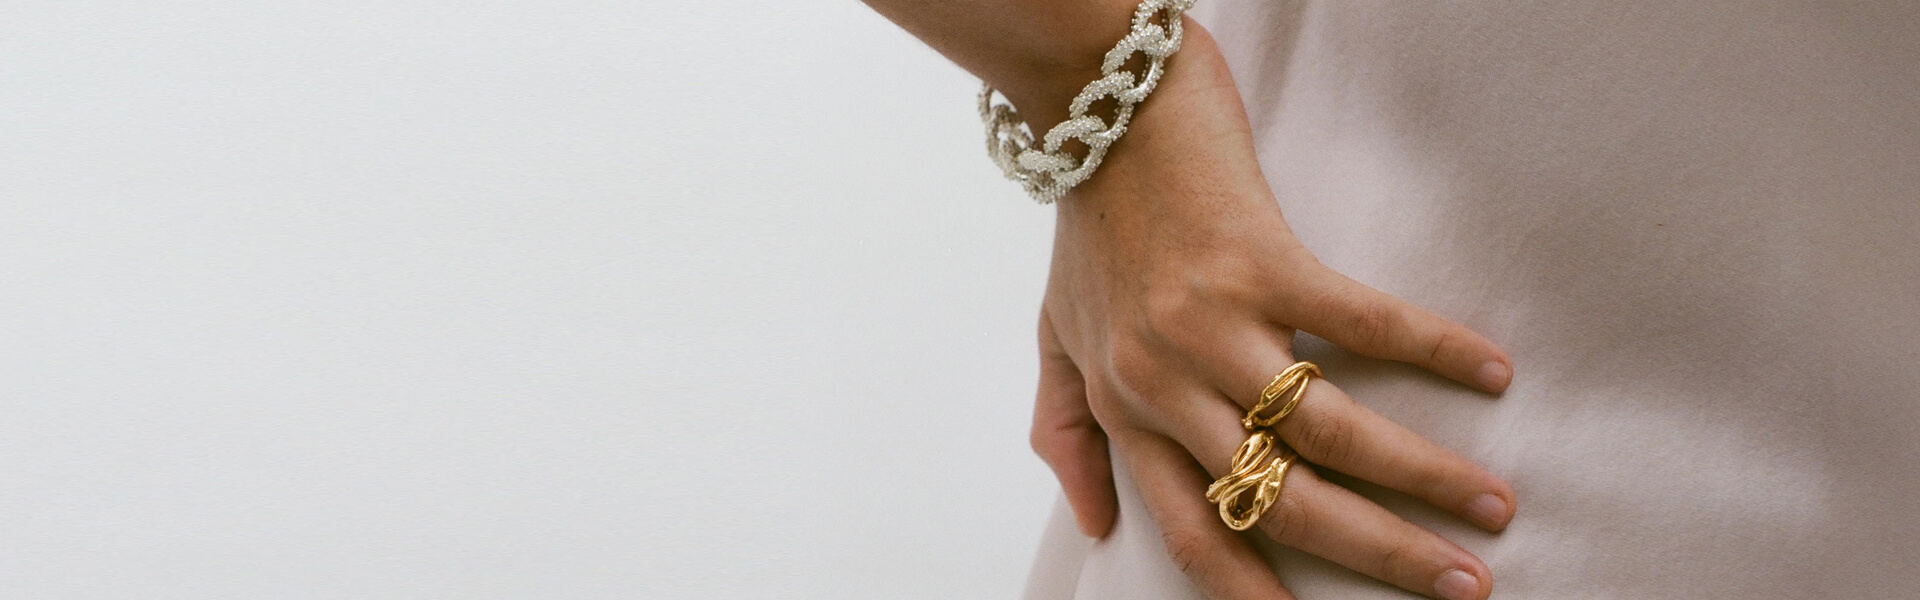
[{"x": 1048, "y": 172}]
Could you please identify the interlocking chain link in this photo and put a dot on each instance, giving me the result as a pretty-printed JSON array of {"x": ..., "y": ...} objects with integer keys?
[{"x": 1047, "y": 172}]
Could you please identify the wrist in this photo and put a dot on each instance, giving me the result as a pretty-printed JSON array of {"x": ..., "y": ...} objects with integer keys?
[
  {"x": 1189, "y": 143},
  {"x": 1057, "y": 54}
]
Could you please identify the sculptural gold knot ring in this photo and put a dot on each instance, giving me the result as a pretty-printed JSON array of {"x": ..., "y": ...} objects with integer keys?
[
  {"x": 1253, "y": 484},
  {"x": 1231, "y": 492},
  {"x": 1295, "y": 377}
]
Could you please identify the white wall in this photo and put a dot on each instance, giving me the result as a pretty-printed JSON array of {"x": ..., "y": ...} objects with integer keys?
[{"x": 506, "y": 299}]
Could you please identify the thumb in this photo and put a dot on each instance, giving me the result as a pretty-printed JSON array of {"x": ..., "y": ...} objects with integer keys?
[{"x": 1067, "y": 437}]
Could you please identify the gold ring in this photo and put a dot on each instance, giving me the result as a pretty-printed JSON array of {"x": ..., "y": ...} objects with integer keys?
[
  {"x": 1238, "y": 510},
  {"x": 1295, "y": 377},
  {"x": 1252, "y": 471}
]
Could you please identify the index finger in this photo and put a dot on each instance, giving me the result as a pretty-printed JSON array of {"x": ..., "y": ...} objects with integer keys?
[{"x": 1333, "y": 306}]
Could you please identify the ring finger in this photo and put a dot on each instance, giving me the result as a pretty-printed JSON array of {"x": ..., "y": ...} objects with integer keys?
[{"x": 1332, "y": 522}]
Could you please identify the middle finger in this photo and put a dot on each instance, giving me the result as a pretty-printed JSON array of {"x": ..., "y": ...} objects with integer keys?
[{"x": 1332, "y": 522}]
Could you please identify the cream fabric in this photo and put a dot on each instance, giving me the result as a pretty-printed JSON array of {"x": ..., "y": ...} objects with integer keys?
[{"x": 1695, "y": 226}]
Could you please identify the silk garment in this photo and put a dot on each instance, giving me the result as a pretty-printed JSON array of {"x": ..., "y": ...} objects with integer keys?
[{"x": 1695, "y": 227}]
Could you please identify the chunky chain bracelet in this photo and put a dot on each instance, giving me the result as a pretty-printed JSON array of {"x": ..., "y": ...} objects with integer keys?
[{"x": 1047, "y": 171}]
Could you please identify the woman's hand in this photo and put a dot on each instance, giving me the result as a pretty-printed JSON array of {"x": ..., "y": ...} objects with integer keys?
[{"x": 1175, "y": 291}]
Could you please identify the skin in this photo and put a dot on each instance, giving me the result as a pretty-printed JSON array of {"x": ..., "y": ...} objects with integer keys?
[{"x": 1174, "y": 294}]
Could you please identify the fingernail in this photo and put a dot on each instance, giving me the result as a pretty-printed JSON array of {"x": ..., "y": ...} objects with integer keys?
[
  {"x": 1457, "y": 585},
  {"x": 1494, "y": 375},
  {"x": 1488, "y": 509}
]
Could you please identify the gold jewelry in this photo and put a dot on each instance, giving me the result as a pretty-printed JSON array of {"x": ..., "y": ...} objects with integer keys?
[
  {"x": 1295, "y": 377},
  {"x": 1237, "y": 510},
  {"x": 1249, "y": 474}
]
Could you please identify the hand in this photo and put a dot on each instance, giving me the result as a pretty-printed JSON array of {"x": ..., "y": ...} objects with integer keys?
[{"x": 1175, "y": 291}]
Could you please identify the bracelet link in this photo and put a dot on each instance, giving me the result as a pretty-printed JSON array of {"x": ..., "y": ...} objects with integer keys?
[{"x": 1047, "y": 171}]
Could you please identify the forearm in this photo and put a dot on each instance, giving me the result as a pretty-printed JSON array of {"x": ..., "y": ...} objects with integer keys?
[{"x": 1039, "y": 53}]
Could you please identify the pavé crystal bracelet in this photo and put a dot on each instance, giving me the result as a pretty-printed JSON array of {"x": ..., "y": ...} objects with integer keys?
[{"x": 1047, "y": 172}]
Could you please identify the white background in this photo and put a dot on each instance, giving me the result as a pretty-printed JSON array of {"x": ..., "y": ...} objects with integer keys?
[{"x": 506, "y": 299}]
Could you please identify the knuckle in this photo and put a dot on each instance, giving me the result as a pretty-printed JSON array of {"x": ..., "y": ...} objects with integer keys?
[
  {"x": 1189, "y": 548},
  {"x": 1059, "y": 440},
  {"x": 1138, "y": 371},
  {"x": 1299, "y": 258},
  {"x": 1329, "y": 440},
  {"x": 1373, "y": 325},
  {"x": 1235, "y": 280},
  {"x": 1286, "y": 520},
  {"x": 1431, "y": 478},
  {"x": 1064, "y": 445},
  {"x": 1177, "y": 310},
  {"x": 1045, "y": 442},
  {"x": 1169, "y": 314},
  {"x": 1106, "y": 412},
  {"x": 1439, "y": 344},
  {"x": 1397, "y": 562}
]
